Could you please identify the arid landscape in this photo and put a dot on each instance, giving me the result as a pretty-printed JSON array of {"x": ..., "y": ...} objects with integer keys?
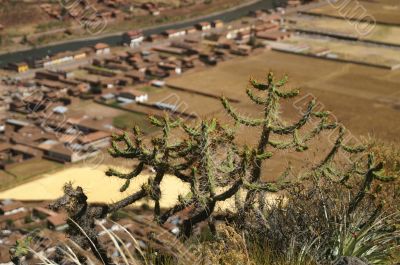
[{"x": 208, "y": 132}]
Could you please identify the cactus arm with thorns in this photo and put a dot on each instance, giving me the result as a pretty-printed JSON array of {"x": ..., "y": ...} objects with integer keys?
[
  {"x": 127, "y": 201},
  {"x": 374, "y": 172},
  {"x": 194, "y": 154},
  {"x": 271, "y": 125},
  {"x": 208, "y": 207},
  {"x": 326, "y": 168}
]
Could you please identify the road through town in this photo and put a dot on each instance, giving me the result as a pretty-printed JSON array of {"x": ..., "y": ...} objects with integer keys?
[{"x": 116, "y": 38}]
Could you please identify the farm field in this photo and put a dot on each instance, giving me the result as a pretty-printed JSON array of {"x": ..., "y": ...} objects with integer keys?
[
  {"x": 386, "y": 12},
  {"x": 357, "y": 95},
  {"x": 185, "y": 102},
  {"x": 23, "y": 172},
  {"x": 6, "y": 179},
  {"x": 99, "y": 187},
  {"x": 49, "y": 187},
  {"x": 127, "y": 120},
  {"x": 381, "y": 33},
  {"x": 119, "y": 118},
  {"x": 351, "y": 50}
]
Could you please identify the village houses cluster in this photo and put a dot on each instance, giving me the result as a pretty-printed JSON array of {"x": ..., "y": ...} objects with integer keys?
[
  {"x": 39, "y": 124},
  {"x": 46, "y": 130},
  {"x": 43, "y": 228}
]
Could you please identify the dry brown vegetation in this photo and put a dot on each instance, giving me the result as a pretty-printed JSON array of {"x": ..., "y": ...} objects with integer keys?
[{"x": 17, "y": 14}]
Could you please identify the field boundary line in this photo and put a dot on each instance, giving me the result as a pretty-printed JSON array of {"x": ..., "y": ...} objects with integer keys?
[
  {"x": 381, "y": 66},
  {"x": 345, "y": 37},
  {"x": 210, "y": 95}
]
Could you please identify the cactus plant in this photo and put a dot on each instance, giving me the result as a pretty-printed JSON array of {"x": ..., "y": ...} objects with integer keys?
[
  {"x": 208, "y": 158},
  {"x": 272, "y": 124}
]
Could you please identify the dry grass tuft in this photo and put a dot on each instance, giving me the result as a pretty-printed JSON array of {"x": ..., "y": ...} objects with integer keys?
[{"x": 229, "y": 249}]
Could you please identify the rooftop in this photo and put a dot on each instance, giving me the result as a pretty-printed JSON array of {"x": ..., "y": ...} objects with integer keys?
[
  {"x": 100, "y": 46},
  {"x": 93, "y": 137}
]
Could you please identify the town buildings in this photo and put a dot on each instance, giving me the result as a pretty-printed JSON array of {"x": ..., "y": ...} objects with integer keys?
[
  {"x": 217, "y": 24},
  {"x": 172, "y": 33},
  {"x": 203, "y": 26},
  {"x": 133, "y": 38},
  {"x": 113, "y": 78},
  {"x": 19, "y": 67},
  {"x": 44, "y": 230},
  {"x": 102, "y": 49}
]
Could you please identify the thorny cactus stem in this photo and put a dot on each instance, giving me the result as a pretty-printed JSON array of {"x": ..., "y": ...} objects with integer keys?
[
  {"x": 272, "y": 124},
  {"x": 82, "y": 217},
  {"x": 193, "y": 159},
  {"x": 374, "y": 172}
]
